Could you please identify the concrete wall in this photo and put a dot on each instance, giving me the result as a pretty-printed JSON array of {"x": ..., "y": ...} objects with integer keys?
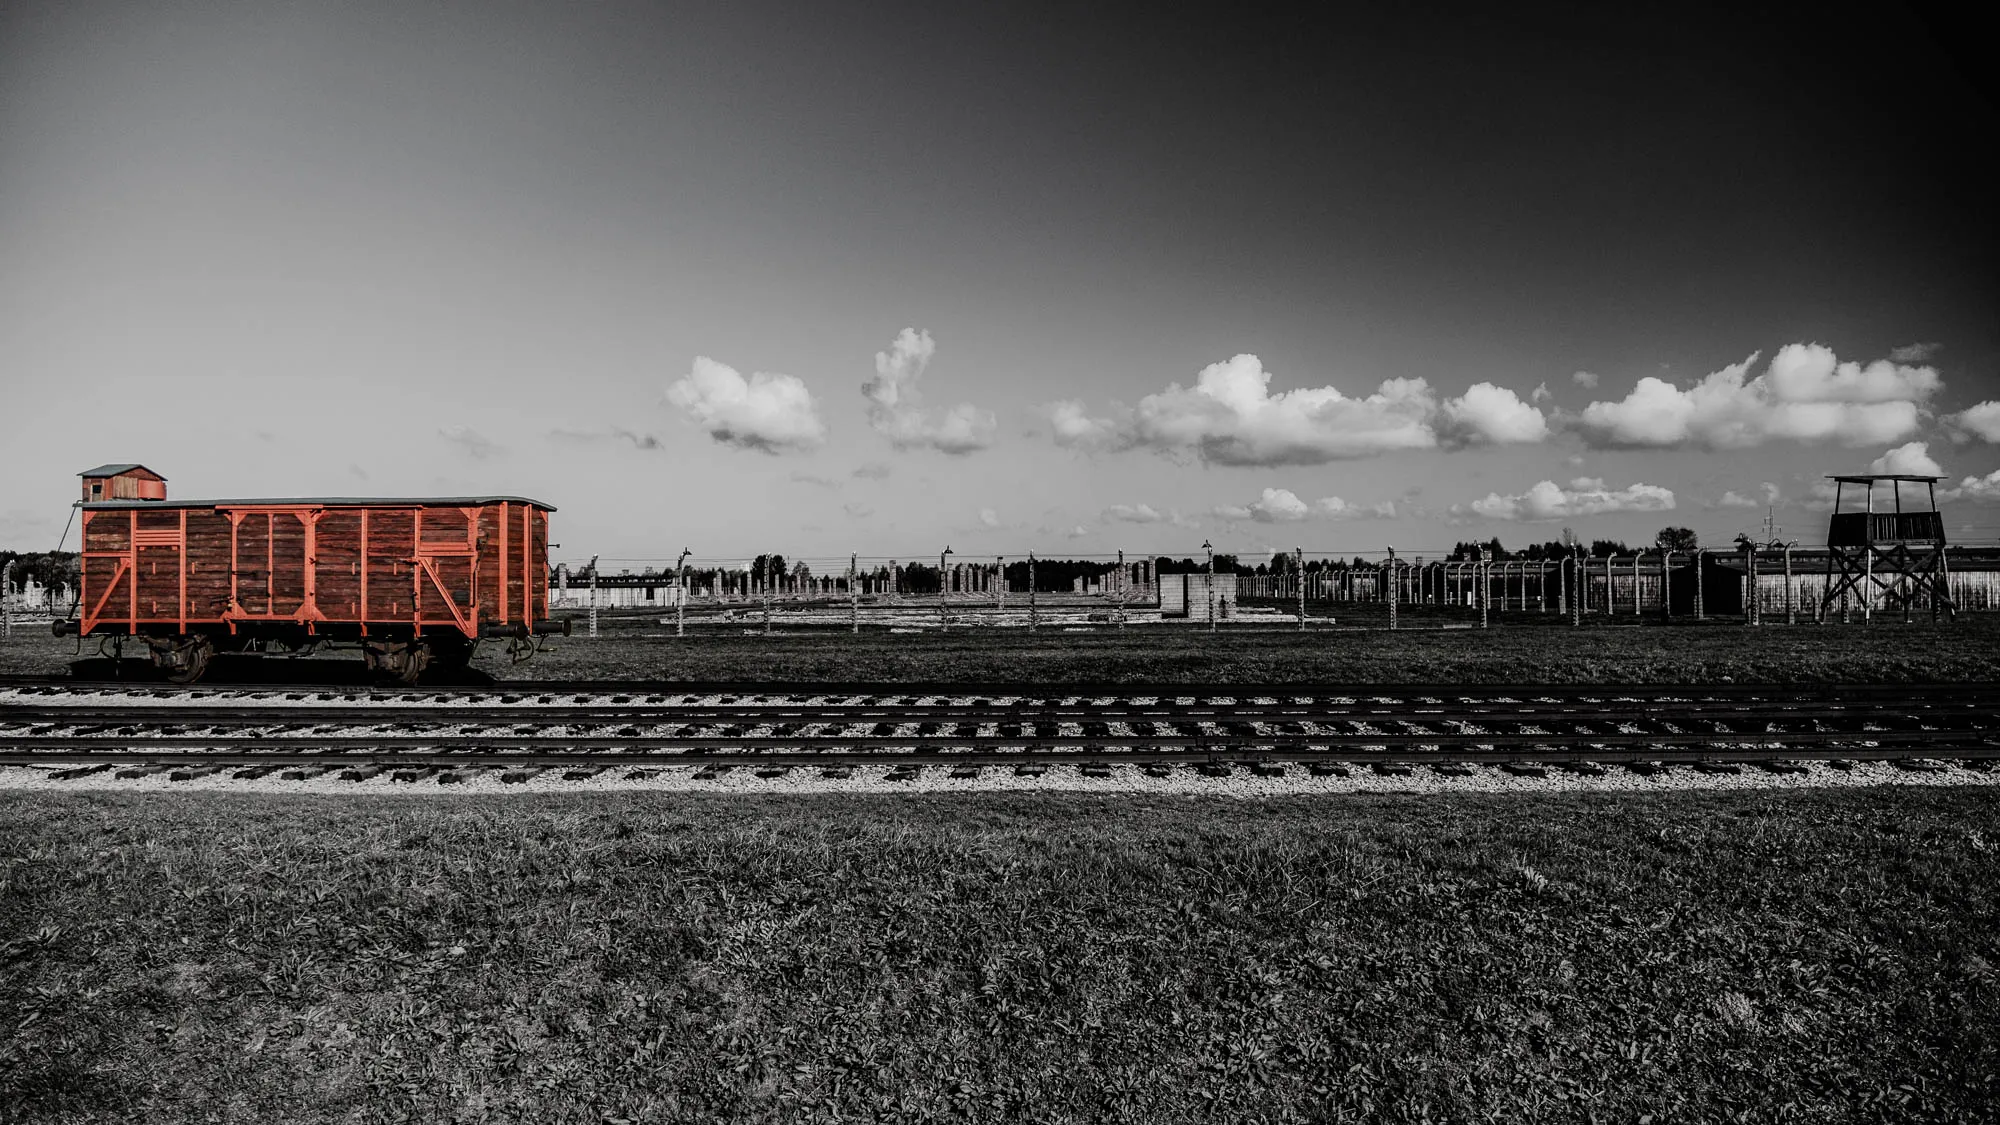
[{"x": 1186, "y": 595}]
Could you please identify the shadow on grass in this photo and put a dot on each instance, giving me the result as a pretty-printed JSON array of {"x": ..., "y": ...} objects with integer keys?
[{"x": 228, "y": 670}]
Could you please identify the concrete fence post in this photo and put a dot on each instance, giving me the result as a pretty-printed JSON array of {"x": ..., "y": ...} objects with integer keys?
[
  {"x": 1033, "y": 620},
  {"x": 1299, "y": 579},
  {"x": 1666, "y": 585},
  {"x": 1575, "y": 578},
  {"x": 1000, "y": 583},
  {"x": 1121, "y": 589},
  {"x": 764, "y": 580},
  {"x": 680, "y": 601},
  {"x": 944, "y": 581},
  {"x": 1392, "y": 588},
  {"x": 1753, "y": 609},
  {"x": 1868, "y": 584},
  {"x": 593, "y": 599},
  {"x": 853, "y": 594},
  {"x": 7, "y": 599},
  {"x": 1700, "y": 585},
  {"x": 1791, "y": 602},
  {"x": 1485, "y": 589},
  {"x": 1211, "y": 589}
]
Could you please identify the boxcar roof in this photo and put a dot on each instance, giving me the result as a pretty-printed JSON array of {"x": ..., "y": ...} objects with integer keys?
[
  {"x": 325, "y": 502},
  {"x": 116, "y": 470}
]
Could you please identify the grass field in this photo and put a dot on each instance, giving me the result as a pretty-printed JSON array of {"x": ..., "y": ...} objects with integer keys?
[
  {"x": 641, "y": 648},
  {"x": 1824, "y": 956}
]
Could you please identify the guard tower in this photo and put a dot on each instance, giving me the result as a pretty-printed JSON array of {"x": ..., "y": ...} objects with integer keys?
[{"x": 1899, "y": 553}]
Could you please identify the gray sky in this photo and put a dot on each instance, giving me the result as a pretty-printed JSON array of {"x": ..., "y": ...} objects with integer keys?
[{"x": 281, "y": 249}]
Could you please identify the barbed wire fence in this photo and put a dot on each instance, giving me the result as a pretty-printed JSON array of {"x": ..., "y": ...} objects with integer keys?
[{"x": 1298, "y": 589}]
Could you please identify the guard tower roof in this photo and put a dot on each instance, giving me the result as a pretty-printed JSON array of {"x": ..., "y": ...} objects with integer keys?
[{"x": 1865, "y": 478}]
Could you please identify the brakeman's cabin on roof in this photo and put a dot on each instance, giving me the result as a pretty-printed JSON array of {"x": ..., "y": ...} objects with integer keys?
[{"x": 122, "y": 482}]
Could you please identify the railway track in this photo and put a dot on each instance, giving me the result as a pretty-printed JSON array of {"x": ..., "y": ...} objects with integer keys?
[{"x": 72, "y": 726}]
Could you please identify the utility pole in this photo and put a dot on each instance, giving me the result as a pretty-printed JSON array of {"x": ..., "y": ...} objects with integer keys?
[{"x": 680, "y": 602}]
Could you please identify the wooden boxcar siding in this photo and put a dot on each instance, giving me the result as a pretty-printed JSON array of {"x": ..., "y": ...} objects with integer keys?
[
  {"x": 435, "y": 567},
  {"x": 513, "y": 563}
]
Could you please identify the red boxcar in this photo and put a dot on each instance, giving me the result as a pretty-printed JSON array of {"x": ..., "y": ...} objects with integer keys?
[{"x": 413, "y": 582}]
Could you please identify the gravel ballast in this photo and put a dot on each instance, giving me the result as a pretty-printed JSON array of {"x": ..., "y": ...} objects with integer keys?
[{"x": 1181, "y": 780}]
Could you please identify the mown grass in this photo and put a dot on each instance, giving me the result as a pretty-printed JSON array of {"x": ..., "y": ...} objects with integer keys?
[
  {"x": 1806, "y": 956},
  {"x": 1966, "y": 650}
]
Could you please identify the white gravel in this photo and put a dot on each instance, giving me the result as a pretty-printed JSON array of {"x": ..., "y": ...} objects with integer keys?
[{"x": 1181, "y": 781}]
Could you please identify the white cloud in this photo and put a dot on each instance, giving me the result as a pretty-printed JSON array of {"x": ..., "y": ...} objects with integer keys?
[
  {"x": 1584, "y": 379},
  {"x": 989, "y": 517},
  {"x": 1282, "y": 505},
  {"x": 893, "y": 408},
  {"x": 1769, "y": 493},
  {"x": 1541, "y": 393},
  {"x": 1074, "y": 428},
  {"x": 1981, "y": 421},
  {"x": 1913, "y": 460},
  {"x": 1489, "y": 414},
  {"x": 1804, "y": 394},
  {"x": 1077, "y": 532},
  {"x": 1146, "y": 513},
  {"x": 1915, "y": 353},
  {"x": 1230, "y": 417},
  {"x": 766, "y": 412},
  {"x": 470, "y": 441},
  {"x": 1134, "y": 513},
  {"x": 614, "y": 433},
  {"x": 873, "y": 470},
  {"x": 1976, "y": 489},
  {"x": 1334, "y": 508},
  {"x": 1585, "y": 496}
]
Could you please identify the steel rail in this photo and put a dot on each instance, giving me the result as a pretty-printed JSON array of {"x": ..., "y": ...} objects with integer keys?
[
  {"x": 1331, "y": 742},
  {"x": 794, "y": 688},
  {"x": 1671, "y": 754},
  {"x": 559, "y": 715}
]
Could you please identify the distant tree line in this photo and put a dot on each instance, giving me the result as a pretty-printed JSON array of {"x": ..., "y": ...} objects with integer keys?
[{"x": 49, "y": 569}]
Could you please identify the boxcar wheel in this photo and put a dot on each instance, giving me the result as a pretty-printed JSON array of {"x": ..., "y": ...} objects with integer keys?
[
  {"x": 183, "y": 659},
  {"x": 396, "y": 662}
]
